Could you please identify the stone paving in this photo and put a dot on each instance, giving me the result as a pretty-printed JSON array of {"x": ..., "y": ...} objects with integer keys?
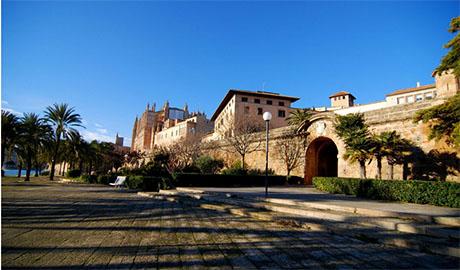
[{"x": 72, "y": 226}]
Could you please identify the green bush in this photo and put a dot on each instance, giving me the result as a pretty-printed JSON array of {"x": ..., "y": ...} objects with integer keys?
[
  {"x": 134, "y": 181},
  {"x": 294, "y": 180},
  {"x": 146, "y": 183},
  {"x": 105, "y": 179},
  {"x": 208, "y": 164},
  {"x": 45, "y": 173},
  {"x": 413, "y": 191},
  {"x": 88, "y": 178},
  {"x": 73, "y": 173},
  {"x": 225, "y": 180}
]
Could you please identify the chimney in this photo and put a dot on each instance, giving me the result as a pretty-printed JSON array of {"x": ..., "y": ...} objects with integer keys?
[{"x": 418, "y": 84}]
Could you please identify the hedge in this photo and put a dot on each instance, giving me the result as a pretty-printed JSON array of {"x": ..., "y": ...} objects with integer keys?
[
  {"x": 225, "y": 180},
  {"x": 147, "y": 183},
  {"x": 413, "y": 191},
  {"x": 73, "y": 173}
]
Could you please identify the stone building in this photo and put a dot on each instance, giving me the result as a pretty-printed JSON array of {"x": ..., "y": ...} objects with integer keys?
[
  {"x": 242, "y": 104},
  {"x": 119, "y": 147},
  {"x": 194, "y": 127},
  {"x": 166, "y": 126},
  {"x": 323, "y": 155}
]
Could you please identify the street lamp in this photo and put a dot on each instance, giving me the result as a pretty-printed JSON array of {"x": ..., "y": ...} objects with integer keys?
[{"x": 267, "y": 117}]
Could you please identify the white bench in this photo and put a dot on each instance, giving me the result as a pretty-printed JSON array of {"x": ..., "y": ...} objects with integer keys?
[{"x": 119, "y": 182}]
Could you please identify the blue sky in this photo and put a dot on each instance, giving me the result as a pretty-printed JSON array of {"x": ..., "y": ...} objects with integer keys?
[{"x": 108, "y": 59}]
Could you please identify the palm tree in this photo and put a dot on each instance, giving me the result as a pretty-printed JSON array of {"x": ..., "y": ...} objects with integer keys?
[
  {"x": 300, "y": 120},
  {"x": 63, "y": 119},
  {"x": 9, "y": 130},
  {"x": 33, "y": 132},
  {"x": 358, "y": 150},
  {"x": 353, "y": 130},
  {"x": 377, "y": 150}
]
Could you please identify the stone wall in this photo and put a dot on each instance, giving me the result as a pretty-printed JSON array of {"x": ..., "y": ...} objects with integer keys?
[{"x": 399, "y": 118}]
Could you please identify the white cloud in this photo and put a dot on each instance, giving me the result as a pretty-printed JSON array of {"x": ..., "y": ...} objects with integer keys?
[
  {"x": 4, "y": 102},
  {"x": 127, "y": 141},
  {"x": 98, "y": 125},
  {"x": 94, "y": 135},
  {"x": 102, "y": 130},
  {"x": 12, "y": 111}
]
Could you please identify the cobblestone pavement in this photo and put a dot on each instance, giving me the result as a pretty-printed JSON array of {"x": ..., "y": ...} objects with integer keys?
[{"x": 72, "y": 226}]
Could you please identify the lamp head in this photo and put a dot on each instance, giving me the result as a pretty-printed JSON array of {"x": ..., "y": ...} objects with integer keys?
[{"x": 267, "y": 116}]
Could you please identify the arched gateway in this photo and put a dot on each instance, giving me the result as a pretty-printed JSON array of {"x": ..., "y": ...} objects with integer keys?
[{"x": 320, "y": 159}]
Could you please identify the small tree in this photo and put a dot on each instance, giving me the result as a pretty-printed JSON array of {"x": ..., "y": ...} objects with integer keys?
[
  {"x": 444, "y": 120},
  {"x": 290, "y": 150},
  {"x": 9, "y": 130},
  {"x": 354, "y": 132},
  {"x": 63, "y": 119},
  {"x": 208, "y": 164},
  {"x": 244, "y": 137},
  {"x": 452, "y": 59},
  {"x": 299, "y": 119}
]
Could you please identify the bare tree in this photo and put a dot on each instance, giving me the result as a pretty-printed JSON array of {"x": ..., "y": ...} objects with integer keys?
[
  {"x": 243, "y": 136},
  {"x": 289, "y": 148},
  {"x": 179, "y": 155}
]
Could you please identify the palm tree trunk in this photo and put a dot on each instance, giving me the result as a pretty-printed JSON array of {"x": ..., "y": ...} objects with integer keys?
[
  {"x": 36, "y": 168},
  {"x": 28, "y": 165},
  {"x": 53, "y": 162},
  {"x": 379, "y": 167},
  {"x": 362, "y": 169},
  {"x": 20, "y": 169},
  {"x": 3, "y": 155},
  {"x": 390, "y": 170}
]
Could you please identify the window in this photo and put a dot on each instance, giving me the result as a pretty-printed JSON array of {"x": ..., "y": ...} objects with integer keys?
[
  {"x": 401, "y": 100},
  {"x": 410, "y": 99},
  {"x": 269, "y": 102},
  {"x": 246, "y": 110},
  {"x": 260, "y": 111},
  {"x": 281, "y": 103},
  {"x": 244, "y": 99},
  {"x": 257, "y": 101},
  {"x": 418, "y": 98},
  {"x": 281, "y": 113},
  {"x": 429, "y": 96}
]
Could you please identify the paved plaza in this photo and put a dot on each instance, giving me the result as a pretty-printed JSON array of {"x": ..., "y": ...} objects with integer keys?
[{"x": 72, "y": 226}]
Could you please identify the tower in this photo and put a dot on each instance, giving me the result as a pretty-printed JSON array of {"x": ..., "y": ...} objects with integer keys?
[
  {"x": 342, "y": 100},
  {"x": 166, "y": 110},
  {"x": 133, "y": 137},
  {"x": 186, "y": 114}
]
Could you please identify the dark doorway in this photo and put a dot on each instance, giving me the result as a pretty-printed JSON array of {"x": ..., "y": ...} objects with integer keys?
[{"x": 320, "y": 159}]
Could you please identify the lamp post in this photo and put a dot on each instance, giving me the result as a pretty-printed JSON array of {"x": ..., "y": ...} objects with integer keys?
[{"x": 267, "y": 117}]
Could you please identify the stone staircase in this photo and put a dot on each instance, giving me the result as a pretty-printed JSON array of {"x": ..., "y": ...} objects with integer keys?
[{"x": 433, "y": 234}]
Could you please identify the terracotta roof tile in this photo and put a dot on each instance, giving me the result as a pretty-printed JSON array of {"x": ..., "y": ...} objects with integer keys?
[{"x": 412, "y": 89}]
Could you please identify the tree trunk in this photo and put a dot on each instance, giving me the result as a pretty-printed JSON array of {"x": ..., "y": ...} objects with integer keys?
[
  {"x": 90, "y": 167},
  {"x": 80, "y": 166},
  {"x": 362, "y": 169},
  {"x": 242, "y": 160},
  {"x": 379, "y": 167},
  {"x": 28, "y": 166},
  {"x": 36, "y": 168},
  {"x": 405, "y": 170},
  {"x": 53, "y": 162},
  {"x": 3, "y": 155},
  {"x": 391, "y": 170},
  {"x": 20, "y": 169}
]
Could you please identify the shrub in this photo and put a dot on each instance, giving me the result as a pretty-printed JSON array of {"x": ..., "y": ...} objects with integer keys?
[
  {"x": 235, "y": 169},
  {"x": 105, "y": 179},
  {"x": 147, "y": 183},
  {"x": 134, "y": 181},
  {"x": 294, "y": 180},
  {"x": 225, "y": 180},
  {"x": 88, "y": 178},
  {"x": 45, "y": 173},
  {"x": 414, "y": 191},
  {"x": 209, "y": 165},
  {"x": 73, "y": 173}
]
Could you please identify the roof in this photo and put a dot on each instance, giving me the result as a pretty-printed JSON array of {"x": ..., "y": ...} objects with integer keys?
[
  {"x": 341, "y": 93},
  {"x": 412, "y": 89},
  {"x": 233, "y": 92}
]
